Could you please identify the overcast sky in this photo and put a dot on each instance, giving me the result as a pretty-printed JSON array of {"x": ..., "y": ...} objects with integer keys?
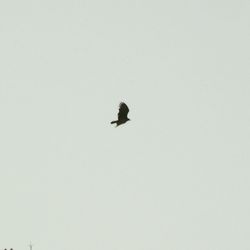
[{"x": 177, "y": 176}]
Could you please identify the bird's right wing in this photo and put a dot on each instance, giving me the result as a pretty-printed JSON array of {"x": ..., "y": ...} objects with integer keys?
[{"x": 123, "y": 110}]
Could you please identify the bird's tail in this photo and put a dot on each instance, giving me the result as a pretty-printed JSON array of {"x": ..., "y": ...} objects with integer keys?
[{"x": 113, "y": 122}]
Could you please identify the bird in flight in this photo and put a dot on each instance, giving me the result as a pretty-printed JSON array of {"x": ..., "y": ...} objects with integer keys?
[{"x": 122, "y": 114}]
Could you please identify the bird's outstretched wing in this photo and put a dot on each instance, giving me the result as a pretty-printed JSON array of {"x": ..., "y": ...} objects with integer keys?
[{"x": 123, "y": 111}]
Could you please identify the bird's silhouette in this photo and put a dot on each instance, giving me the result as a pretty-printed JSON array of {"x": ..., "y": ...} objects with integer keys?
[{"x": 122, "y": 114}]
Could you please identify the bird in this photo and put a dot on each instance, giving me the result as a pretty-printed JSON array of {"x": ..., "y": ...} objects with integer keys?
[{"x": 122, "y": 114}]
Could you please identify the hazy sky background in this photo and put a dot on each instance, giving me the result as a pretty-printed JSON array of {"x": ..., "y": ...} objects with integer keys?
[{"x": 174, "y": 178}]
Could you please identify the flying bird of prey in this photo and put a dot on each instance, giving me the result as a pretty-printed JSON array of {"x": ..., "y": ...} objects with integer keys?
[{"x": 122, "y": 114}]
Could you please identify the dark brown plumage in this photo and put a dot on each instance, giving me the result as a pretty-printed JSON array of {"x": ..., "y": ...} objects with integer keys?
[{"x": 122, "y": 114}]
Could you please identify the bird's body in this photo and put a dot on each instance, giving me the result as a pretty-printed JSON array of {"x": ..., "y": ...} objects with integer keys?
[{"x": 122, "y": 114}]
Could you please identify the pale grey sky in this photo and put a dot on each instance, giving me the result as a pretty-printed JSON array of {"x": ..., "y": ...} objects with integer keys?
[{"x": 177, "y": 177}]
